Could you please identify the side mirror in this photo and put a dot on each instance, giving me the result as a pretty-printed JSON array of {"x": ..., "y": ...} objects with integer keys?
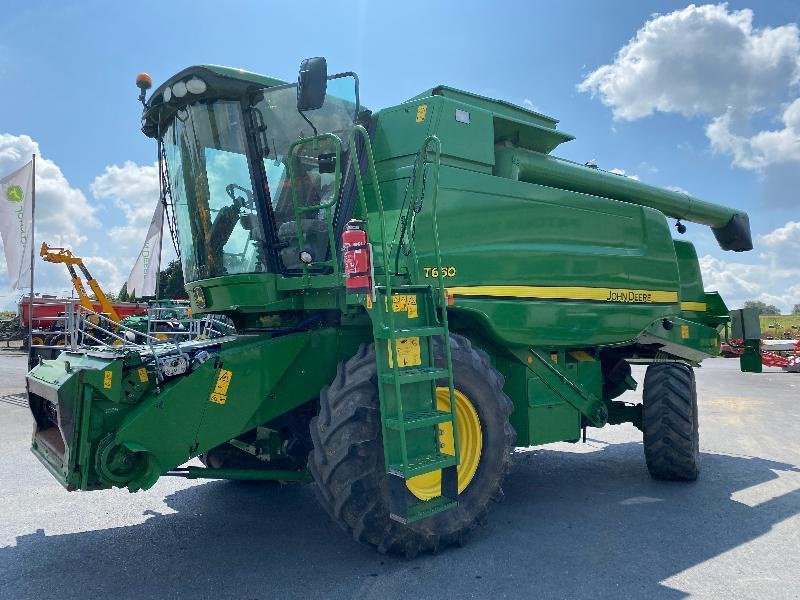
[{"x": 312, "y": 82}]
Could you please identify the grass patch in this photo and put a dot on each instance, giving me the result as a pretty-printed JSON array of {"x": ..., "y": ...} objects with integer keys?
[{"x": 780, "y": 327}]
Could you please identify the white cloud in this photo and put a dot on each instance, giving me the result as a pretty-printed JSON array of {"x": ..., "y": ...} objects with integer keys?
[
  {"x": 64, "y": 217},
  {"x": 677, "y": 188},
  {"x": 622, "y": 172},
  {"x": 709, "y": 61},
  {"x": 785, "y": 241},
  {"x": 110, "y": 271},
  {"x": 698, "y": 60},
  {"x": 528, "y": 103},
  {"x": 133, "y": 190},
  {"x": 761, "y": 149},
  {"x": 774, "y": 280}
]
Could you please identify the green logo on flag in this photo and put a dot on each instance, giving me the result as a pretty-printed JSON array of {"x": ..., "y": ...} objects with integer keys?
[{"x": 15, "y": 194}]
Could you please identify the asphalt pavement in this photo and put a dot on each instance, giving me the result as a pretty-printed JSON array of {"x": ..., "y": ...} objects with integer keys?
[{"x": 577, "y": 521}]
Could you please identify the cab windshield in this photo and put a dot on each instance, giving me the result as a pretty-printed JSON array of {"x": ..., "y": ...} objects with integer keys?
[{"x": 221, "y": 228}]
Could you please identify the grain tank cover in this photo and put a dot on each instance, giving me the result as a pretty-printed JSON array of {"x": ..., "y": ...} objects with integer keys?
[{"x": 519, "y": 126}]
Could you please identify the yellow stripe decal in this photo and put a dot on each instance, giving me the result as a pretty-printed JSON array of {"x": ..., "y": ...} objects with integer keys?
[
  {"x": 695, "y": 306},
  {"x": 625, "y": 295}
]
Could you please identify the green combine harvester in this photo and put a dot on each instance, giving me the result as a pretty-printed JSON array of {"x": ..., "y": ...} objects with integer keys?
[{"x": 416, "y": 291}]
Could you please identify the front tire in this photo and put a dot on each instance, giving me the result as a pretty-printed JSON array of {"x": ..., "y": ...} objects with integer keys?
[
  {"x": 669, "y": 419},
  {"x": 347, "y": 459}
]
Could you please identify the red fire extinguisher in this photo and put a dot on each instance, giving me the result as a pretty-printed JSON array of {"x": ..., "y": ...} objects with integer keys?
[{"x": 357, "y": 258}]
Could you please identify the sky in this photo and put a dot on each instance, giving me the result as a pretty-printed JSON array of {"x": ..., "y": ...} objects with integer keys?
[{"x": 702, "y": 98}]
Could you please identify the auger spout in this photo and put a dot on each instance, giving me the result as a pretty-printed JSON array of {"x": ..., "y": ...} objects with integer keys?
[{"x": 731, "y": 227}]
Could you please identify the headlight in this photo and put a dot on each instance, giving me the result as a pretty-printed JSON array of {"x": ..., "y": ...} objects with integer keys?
[
  {"x": 196, "y": 85},
  {"x": 167, "y": 94},
  {"x": 179, "y": 89}
]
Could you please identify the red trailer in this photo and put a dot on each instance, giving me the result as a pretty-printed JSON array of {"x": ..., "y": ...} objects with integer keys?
[{"x": 46, "y": 309}]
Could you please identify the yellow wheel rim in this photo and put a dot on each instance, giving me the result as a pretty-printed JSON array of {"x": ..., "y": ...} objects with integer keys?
[
  {"x": 117, "y": 342},
  {"x": 470, "y": 440},
  {"x": 37, "y": 341},
  {"x": 161, "y": 336}
]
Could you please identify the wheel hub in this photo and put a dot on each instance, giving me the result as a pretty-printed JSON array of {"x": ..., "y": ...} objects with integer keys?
[{"x": 470, "y": 439}]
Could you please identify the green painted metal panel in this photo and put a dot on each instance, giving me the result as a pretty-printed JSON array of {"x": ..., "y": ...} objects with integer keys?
[
  {"x": 501, "y": 108},
  {"x": 263, "y": 378},
  {"x": 458, "y": 125},
  {"x": 587, "y": 371},
  {"x": 535, "y": 234},
  {"x": 691, "y": 280},
  {"x": 682, "y": 337},
  {"x": 399, "y": 133},
  {"x": 253, "y": 292},
  {"x": 539, "y": 237},
  {"x": 550, "y": 418},
  {"x": 516, "y": 383}
]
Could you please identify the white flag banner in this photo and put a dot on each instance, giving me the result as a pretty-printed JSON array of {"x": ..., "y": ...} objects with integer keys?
[
  {"x": 16, "y": 226},
  {"x": 143, "y": 277}
]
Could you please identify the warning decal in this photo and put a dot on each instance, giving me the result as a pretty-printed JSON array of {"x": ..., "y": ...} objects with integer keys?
[
  {"x": 220, "y": 393},
  {"x": 406, "y": 303},
  {"x": 408, "y": 352}
]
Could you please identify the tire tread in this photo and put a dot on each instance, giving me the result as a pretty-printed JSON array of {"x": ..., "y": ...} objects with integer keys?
[
  {"x": 669, "y": 419},
  {"x": 347, "y": 458}
]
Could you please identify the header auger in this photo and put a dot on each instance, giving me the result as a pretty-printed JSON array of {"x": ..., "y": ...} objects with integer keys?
[{"x": 415, "y": 291}]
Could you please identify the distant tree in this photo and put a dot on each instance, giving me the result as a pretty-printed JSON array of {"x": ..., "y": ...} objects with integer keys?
[
  {"x": 112, "y": 297},
  {"x": 123, "y": 295},
  {"x": 170, "y": 281},
  {"x": 796, "y": 309},
  {"x": 762, "y": 307}
]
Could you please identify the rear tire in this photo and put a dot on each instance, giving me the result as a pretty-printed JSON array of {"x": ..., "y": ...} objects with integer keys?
[
  {"x": 347, "y": 459},
  {"x": 669, "y": 419}
]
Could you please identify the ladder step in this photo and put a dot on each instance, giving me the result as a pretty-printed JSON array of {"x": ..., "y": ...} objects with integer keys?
[
  {"x": 385, "y": 333},
  {"x": 416, "y": 375},
  {"x": 417, "y": 420},
  {"x": 423, "y": 509},
  {"x": 423, "y": 464}
]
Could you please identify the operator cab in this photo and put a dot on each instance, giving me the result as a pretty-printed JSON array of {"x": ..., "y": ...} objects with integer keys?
[{"x": 254, "y": 167}]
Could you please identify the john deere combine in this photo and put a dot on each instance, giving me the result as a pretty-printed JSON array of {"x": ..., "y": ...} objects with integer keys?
[{"x": 415, "y": 290}]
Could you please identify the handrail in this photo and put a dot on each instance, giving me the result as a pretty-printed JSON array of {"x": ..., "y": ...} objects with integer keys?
[
  {"x": 442, "y": 295},
  {"x": 431, "y": 144},
  {"x": 386, "y": 262},
  {"x": 376, "y": 190}
]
